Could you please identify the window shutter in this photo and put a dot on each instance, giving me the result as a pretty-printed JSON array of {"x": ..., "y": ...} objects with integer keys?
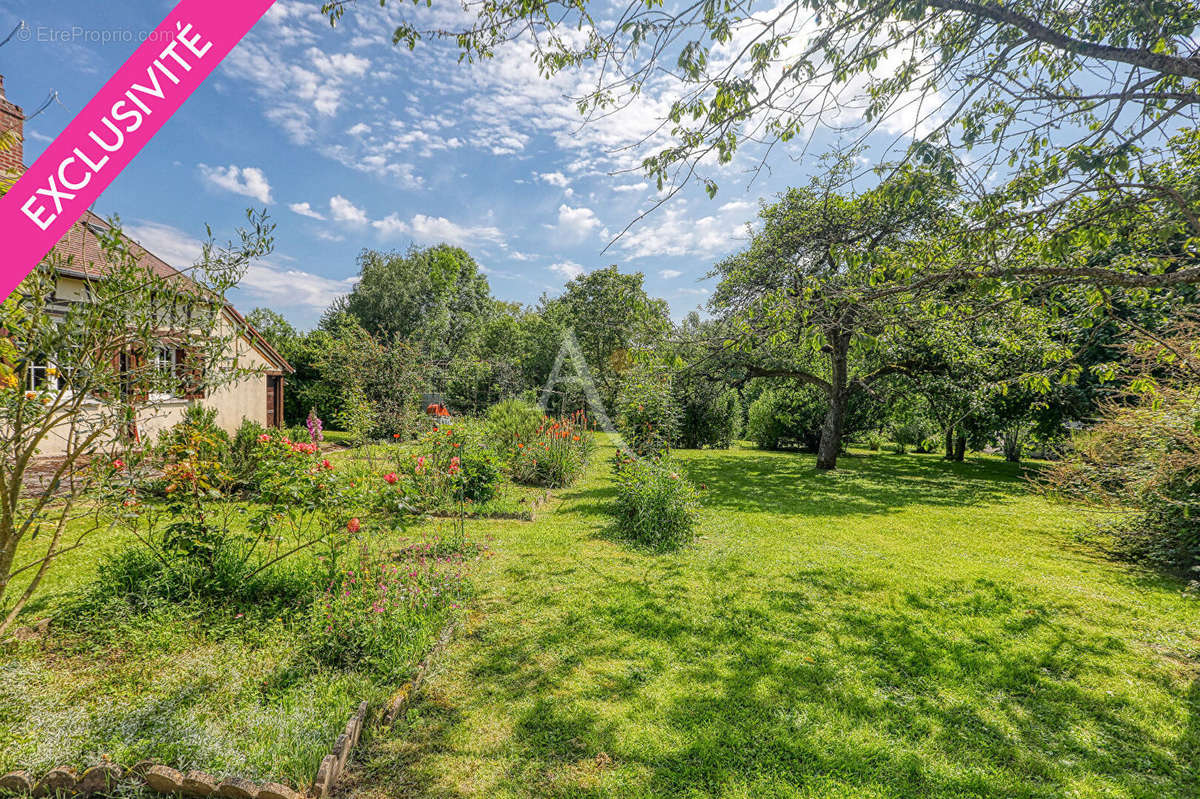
[
  {"x": 191, "y": 372},
  {"x": 136, "y": 361}
]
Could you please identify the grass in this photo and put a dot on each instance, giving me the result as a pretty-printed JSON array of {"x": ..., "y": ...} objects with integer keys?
[
  {"x": 903, "y": 627},
  {"x": 226, "y": 687}
]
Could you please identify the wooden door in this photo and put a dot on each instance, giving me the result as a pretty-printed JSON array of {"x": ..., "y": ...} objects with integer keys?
[{"x": 272, "y": 401}]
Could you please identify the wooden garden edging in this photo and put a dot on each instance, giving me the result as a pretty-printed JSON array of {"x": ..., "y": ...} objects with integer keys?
[{"x": 102, "y": 778}]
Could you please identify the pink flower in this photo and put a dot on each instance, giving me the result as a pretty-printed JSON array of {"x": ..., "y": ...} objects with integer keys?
[
  {"x": 353, "y": 525},
  {"x": 264, "y": 438},
  {"x": 118, "y": 464},
  {"x": 390, "y": 478}
]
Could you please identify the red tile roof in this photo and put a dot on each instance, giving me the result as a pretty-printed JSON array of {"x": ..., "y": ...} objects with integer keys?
[{"x": 84, "y": 257}]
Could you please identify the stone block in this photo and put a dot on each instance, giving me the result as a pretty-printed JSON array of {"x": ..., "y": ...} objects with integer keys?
[
  {"x": 100, "y": 778},
  {"x": 273, "y": 790},
  {"x": 17, "y": 782},
  {"x": 197, "y": 783},
  {"x": 163, "y": 779},
  {"x": 237, "y": 788},
  {"x": 57, "y": 782}
]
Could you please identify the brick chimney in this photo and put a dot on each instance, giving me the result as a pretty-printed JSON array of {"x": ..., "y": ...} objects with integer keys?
[{"x": 11, "y": 117}]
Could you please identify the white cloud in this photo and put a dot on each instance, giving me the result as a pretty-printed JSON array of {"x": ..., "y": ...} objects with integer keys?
[
  {"x": 339, "y": 65},
  {"x": 630, "y": 187},
  {"x": 437, "y": 230},
  {"x": 171, "y": 244},
  {"x": 342, "y": 210},
  {"x": 359, "y": 129},
  {"x": 247, "y": 181},
  {"x": 553, "y": 179},
  {"x": 568, "y": 269},
  {"x": 304, "y": 209},
  {"x": 672, "y": 232},
  {"x": 291, "y": 287},
  {"x": 735, "y": 206},
  {"x": 669, "y": 274},
  {"x": 577, "y": 223},
  {"x": 263, "y": 280}
]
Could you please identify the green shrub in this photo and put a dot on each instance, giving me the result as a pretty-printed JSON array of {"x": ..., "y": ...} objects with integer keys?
[
  {"x": 787, "y": 417},
  {"x": 1143, "y": 458},
  {"x": 198, "y": 427},
  {"x": 242, "y": 462},
  {"x": 139, "y": 579},
  {"x": 656, "y": 506},
  {"x": 710, "y": 415},
  {"x": 453, "y": 463},
  {"x": 907, "y": 434},
  {"x": 479, "y": 476},
  {"x": 647, "y": 413},
  {"x": 510, "y": 421}
]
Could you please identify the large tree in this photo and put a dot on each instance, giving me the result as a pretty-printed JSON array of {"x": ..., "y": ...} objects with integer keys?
[
  {"x": 434, "y": 297},
  {"x": 611, "y": 315},
  {"x": 819, "y": 295}
]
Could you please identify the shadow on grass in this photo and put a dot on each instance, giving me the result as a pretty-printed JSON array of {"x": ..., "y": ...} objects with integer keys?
[
  {"x": 970, "y": 688},
  {"x": 789, "y": 483}
]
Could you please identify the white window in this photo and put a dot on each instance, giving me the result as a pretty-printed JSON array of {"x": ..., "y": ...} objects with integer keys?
[
  {"x": 166, "y": 363},
  {"x": 43, "y": 376}
]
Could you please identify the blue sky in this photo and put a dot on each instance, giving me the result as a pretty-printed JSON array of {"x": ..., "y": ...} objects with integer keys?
[{"x": 352, "y": 143}]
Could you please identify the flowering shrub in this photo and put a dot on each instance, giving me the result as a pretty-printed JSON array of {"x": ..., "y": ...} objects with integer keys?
[
  {"x": 454, "y": 464},
  {"x": 287, "y": 470},
  {"x": 384, "y": 611},
  {"x": 656, "y": 505},
  {"x": 647, "y": 413},
  {"x": 315, "y": 427},
  {"x": 556, "y": 453}
]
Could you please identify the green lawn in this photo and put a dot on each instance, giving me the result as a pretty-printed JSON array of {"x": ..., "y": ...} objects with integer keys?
[{"x": 903, "y": 627}]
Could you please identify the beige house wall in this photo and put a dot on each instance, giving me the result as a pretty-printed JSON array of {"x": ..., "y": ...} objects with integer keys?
[{"x": 242, "y": 399}]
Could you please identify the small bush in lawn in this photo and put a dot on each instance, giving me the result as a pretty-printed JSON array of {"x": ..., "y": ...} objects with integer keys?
[
  {"x": 381, "y": 614},
  {"x": 557, "y": 453},
  {"x": 656, "y": 505}
]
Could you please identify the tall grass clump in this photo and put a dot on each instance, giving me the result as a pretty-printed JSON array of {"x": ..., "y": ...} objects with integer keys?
[{"x": 656, "y": 506}]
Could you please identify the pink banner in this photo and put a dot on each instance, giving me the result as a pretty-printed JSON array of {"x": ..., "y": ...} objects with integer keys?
[{"x": 114, "y": 127}]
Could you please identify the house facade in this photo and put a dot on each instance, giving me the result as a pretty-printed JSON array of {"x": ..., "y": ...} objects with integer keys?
[{"x": 258, "y": 396}]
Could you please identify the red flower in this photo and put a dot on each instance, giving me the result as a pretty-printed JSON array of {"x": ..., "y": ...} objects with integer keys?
[
  {"x": 264, "y": 438},
  {"x": 327, "y": 464},
  {"x": 353, "y": 525},
  {"x": 454, "y": 465},
  {"x": 118, "y": 464},
  {"x": 395, "y": 435},
  {"x": 389, "y": 478}
]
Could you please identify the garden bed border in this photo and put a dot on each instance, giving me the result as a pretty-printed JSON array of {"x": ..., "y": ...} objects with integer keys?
[{"x": 63, "y": 781}]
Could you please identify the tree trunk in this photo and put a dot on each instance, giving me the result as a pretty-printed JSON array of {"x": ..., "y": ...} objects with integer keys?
[
  {"x": 960, "y": 447},
  {"x": 950, "y": 443},
  {"x": 839, "y": 393}
]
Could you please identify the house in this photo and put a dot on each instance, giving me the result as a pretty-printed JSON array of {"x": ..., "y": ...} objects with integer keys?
[{"x": 258, "y": 397}]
